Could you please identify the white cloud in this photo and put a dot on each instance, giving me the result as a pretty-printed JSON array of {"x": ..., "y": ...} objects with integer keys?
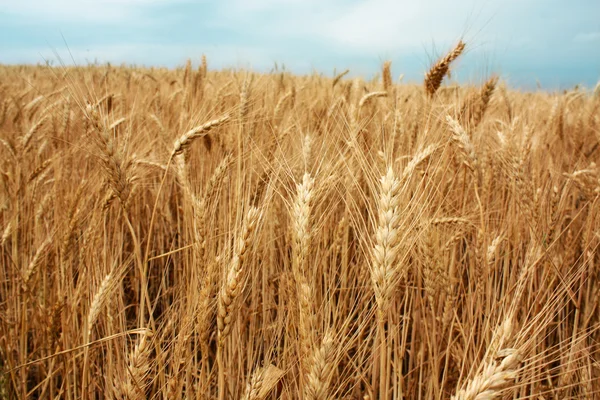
[
  {"x": 379, "y": 25},
  {"x": 366, "y": 27}
]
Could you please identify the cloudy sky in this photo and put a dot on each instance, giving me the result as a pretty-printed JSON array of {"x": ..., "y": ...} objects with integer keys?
[{"x": 553, "y": 42}]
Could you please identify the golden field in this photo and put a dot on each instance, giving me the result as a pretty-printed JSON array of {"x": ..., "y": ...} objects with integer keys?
[{"x": 198, "y": 234}]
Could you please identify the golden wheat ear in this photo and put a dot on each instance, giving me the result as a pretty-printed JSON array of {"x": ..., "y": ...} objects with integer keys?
[
  {"x": 236, "y": 279},
  {"x": 434, "y": 77}
]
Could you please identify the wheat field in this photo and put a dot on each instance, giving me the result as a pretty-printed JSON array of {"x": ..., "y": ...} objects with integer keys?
[{"x": 200, "y": 234}]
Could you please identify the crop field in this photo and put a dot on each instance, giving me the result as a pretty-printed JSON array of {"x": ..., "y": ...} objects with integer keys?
[{"x": 194, "y": 233}]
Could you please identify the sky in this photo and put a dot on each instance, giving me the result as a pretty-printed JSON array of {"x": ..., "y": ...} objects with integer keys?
[{"x": 551, "y": 43}]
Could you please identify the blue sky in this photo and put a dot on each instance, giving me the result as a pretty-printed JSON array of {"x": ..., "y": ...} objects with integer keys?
[{"x": 554, "y": 42}]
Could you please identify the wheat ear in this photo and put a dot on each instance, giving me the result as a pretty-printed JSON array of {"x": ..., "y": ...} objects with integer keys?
[
  {"x": 263, "y": 380},
  {"x": 484, "y": 99},
  {"x": 204, "y": 66},
  {"x": 318, "y": 379},
  {"x": 102, "y": 294},
  {"x": 384, "y": 270},
  {"x": 187, "y": 138},
  {"x": 434, "y": 77},
  {"x": 8, "y": 230},
  {"x": 35, "y": 262},
  {"x": 385, "y": 250},
  {"x": 338, "y": 77},
  {"x": 134, "y": 386},
  {"x": 370, "y": 96},
  {"x": 300, "y": 248},
  {"x": 462, "y": 139},
  {"x": 113, "y": 160},
  {"x": 301, "y": 216},
  {"x": 387, "y": 76},
  {"x": 494, "y": 377},
  {"x": 417, "y": 159},
  {"x": 244, "y": 99},
  {"x": 234, "y": 282}
]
